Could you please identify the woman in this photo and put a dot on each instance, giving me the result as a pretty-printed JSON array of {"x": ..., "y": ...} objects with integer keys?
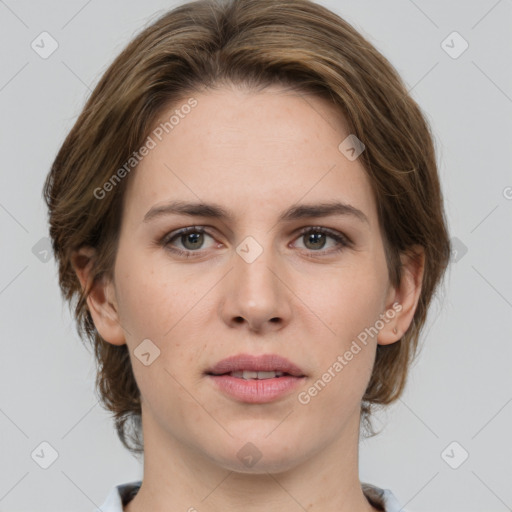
[{"x": 249, "y": 212}]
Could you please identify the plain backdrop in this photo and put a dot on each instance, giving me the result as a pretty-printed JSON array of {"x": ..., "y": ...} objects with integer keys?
[{"x": 445, "y": 446}]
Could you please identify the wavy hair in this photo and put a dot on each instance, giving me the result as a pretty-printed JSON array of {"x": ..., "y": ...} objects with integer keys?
[{"x": 251, "y": 43}]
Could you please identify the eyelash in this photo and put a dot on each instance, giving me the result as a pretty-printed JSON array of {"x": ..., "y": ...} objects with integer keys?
[{"x": 343, "y": 241}]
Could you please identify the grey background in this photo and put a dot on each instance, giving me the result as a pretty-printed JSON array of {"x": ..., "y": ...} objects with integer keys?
[{"x": 459, "y": 390}]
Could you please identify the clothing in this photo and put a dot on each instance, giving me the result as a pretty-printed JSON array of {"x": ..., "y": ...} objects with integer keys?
[{"x": 121, "y": 494}]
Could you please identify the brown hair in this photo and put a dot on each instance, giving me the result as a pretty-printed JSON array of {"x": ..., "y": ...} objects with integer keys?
[{"x": 253, "y": 43}]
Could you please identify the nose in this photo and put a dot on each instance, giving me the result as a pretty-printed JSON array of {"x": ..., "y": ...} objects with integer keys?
[{"x": 256, "y": 295}]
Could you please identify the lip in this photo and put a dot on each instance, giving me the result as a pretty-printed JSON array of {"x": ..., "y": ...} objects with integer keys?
[
  {"x": 262, "y": 363},
  {"x": 256, "y": 391}
]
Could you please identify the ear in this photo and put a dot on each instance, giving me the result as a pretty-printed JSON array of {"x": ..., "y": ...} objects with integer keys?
[
  {"x": 401, "y": 301},
  {"x": 101, "y": 301}
]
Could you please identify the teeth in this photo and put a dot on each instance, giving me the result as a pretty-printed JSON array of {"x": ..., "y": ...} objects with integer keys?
[{"x": 256, "y": 375}]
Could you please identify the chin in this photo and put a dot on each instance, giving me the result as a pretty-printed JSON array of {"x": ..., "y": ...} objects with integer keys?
[
  {"x": 259, "y": 454},
  {"x": 261, "y": 464}
]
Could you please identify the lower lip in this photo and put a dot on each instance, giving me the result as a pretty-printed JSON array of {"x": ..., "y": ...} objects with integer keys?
[{"x": 256, "y": 391}]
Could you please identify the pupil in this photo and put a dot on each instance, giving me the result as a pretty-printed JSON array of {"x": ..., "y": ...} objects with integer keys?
[
  {"x": 316, "y": 237},
  {"x": 195, "y": 238}
]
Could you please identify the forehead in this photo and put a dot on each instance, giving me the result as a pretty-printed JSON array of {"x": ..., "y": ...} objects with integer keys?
[{"x": 251, "y": 151}]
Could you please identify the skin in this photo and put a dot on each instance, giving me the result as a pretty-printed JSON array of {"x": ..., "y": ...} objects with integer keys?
[{"x": 256, "y": 153}]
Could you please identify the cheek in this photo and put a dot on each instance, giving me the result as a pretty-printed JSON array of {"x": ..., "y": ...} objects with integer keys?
[
  {"x": 350, "y": 302},
  {"x": 152, "y": 298},
  {"x": 348, "y": 351},
  {"x": 168, "y": 307},
  {"x": 350, "y": 305},
  {"x": 161, "y": 306}
]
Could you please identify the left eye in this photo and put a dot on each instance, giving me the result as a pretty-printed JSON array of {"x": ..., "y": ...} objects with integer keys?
[{"x": 316, "y": 238}]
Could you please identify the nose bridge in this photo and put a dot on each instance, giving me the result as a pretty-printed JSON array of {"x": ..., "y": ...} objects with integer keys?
[
  {"x": 255, "y": 269},
  {"x": 255, "y": 292}
]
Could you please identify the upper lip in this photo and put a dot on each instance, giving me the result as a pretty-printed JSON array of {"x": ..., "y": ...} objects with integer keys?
[{"x": 262, "y": 363}]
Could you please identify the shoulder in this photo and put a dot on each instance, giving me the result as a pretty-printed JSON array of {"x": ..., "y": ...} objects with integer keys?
[
  {"x": 118, "y": 496},
  {"x": 382, "y": 499}
]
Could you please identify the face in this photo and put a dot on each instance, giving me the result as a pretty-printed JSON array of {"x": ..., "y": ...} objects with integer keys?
[{"x": 303, "y": 287}]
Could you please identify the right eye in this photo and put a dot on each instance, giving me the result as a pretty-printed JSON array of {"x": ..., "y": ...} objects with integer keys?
[{"x": 191, "y": 238}]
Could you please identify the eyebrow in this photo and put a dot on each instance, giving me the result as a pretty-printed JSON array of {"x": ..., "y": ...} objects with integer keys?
[{"x": 215, "y": 211}]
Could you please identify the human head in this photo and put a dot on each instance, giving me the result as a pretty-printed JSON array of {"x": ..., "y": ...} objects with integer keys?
[{"x": 296, "y": 44}]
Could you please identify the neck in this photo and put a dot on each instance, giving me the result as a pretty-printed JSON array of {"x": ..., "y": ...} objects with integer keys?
[{"x": 178, "y": 477}]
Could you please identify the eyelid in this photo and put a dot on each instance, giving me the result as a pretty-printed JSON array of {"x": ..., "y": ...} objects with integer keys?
[
  {"x": 166, "y": 239},
  {"x": 328, "y": 231}
]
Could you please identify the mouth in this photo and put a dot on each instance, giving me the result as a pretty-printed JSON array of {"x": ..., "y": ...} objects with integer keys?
[
  {"x": 252, "y": 375},
  {"x": 246, "y": 366},
  {"x": 256, "y": 379}
]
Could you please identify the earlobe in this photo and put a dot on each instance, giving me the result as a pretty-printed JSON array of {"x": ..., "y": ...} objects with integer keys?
[
  {"x": 404, "y": 299},
  {"x": 101, "y": 300}
]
